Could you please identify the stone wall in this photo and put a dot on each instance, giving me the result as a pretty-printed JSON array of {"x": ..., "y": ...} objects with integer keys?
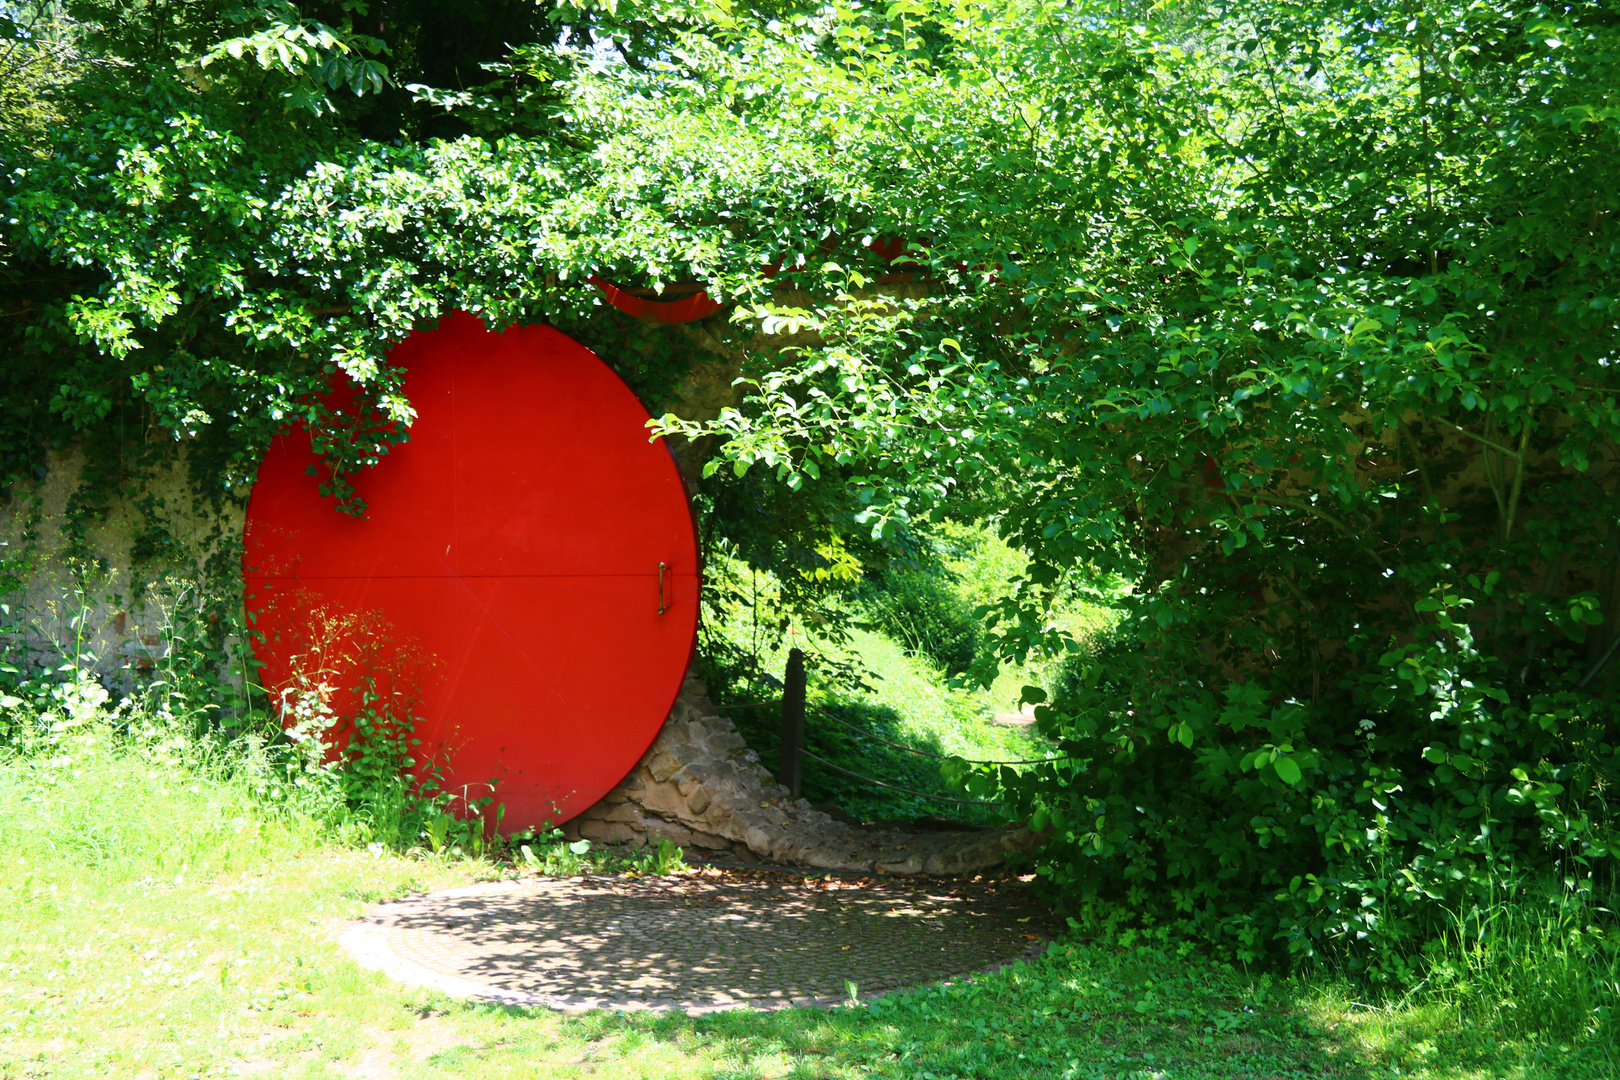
[
  {"x": 113, "y": 593},
  {"x": 700, "y": 787}
]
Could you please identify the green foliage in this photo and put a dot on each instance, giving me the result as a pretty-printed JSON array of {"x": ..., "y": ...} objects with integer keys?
[
  {"x": 1299, "y": 318},
  {"x": 1358, "y": 837},
  {"x": 365, "y": 757},
  {"x": 35, "y": 57},
  {"x": 189, "y": 256}
]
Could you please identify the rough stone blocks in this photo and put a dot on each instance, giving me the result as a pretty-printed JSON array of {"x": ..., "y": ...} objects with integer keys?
[{"x": 699, "y": 786}]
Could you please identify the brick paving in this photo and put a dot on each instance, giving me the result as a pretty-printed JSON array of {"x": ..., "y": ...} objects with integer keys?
[{"x": 699, "y": 941}]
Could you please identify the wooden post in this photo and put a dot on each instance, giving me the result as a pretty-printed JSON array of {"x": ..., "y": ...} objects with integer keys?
[{"x": 792, "y": 771}]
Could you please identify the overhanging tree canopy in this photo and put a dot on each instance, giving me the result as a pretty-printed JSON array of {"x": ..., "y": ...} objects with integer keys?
[{"x": 1300, "y": 316}]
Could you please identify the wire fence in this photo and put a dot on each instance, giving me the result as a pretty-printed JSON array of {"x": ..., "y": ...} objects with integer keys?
[
  {"x": 898, "y": 746},
  {"x": 897, "y": 787},
  {"x": 863, "y": 733}
]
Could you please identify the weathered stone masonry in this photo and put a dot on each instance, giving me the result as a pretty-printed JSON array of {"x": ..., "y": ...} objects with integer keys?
[{"x": 700, "y": 787}]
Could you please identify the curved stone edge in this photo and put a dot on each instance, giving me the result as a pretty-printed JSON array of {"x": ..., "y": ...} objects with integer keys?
[
  {"x": 700, "y": 787},
  {"x": 366, "y": 942}
]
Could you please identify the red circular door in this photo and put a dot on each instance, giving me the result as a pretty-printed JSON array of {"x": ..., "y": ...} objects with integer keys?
[{"x": 524, "y": 581}]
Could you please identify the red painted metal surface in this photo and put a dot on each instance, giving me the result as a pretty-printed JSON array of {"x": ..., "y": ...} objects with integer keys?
[
  {"x": 700, "y": 305},
  {"x": 527, "y": 569}
]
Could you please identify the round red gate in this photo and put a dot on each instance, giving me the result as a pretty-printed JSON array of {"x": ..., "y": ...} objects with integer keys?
[{"x": 525, "y": 579}]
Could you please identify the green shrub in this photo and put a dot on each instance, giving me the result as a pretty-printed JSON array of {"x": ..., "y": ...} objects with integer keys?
[{"x": 1356, "y": 828}]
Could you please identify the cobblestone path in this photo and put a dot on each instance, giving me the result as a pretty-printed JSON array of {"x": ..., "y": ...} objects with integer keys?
[{"x": 710, "y": 939}]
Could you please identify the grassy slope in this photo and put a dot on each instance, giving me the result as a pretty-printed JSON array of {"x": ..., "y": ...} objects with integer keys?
[
  {"x": 908, "y": 701},
  {"x": 911, "y": 705},
  {"x": 155, "y": 923}
]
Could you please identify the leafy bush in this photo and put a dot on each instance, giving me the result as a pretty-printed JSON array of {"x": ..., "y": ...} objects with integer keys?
[
  {"x": 1304, "y": 325},
  {"x": 1354, "y": 826}
]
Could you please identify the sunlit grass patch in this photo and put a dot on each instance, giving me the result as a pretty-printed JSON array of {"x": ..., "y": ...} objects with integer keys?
[
  {"x": 193, "y": 935},
  {"x": 166, "y": 911}
]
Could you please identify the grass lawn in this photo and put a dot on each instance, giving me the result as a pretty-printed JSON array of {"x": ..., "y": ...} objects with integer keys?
[{"x": 158, "y": 922}]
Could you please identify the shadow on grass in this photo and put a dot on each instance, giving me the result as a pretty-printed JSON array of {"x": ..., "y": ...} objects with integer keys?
[
  {"x": 1083, "y": 1011},
  {"x": 1102, "y": 1013}
]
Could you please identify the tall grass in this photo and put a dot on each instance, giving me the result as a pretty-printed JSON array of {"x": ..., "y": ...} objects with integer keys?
[
  {"x": 136, "y": 794},
  {"x": 1541, "y": 961},
  {"x": 123, "y": 814}
]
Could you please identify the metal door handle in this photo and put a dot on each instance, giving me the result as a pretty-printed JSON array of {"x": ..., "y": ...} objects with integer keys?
[{"x": 663, "y": 605}]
